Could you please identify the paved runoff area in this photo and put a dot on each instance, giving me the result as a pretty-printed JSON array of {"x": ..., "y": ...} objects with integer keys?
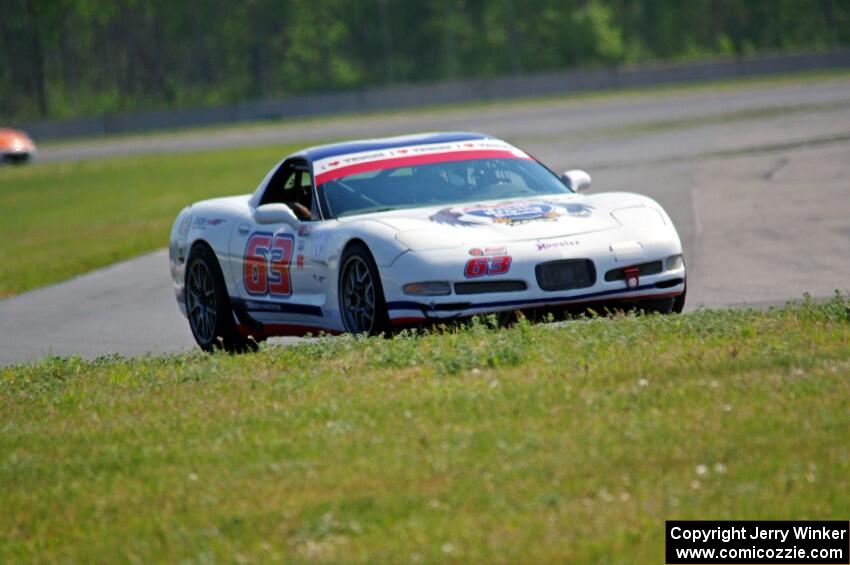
[{"x": 757, "y": 179}]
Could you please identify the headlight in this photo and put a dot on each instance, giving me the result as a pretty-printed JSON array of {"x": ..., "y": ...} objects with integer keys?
[
  {"x": 431, "y": 288},
  {"x": 639, "y": 217},
  {"x": 674, "y": 263}
]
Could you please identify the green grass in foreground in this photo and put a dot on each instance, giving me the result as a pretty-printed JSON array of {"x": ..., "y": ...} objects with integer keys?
[
  {"x": 60, "y": 220},
  {"x": 536, "y": 443}
]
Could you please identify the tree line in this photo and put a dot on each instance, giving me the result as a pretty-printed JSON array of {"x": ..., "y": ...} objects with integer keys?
[{"x": 65, "y": 58}]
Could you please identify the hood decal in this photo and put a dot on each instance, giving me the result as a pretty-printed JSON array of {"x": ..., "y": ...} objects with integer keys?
[{"x": 511, "y": 213}]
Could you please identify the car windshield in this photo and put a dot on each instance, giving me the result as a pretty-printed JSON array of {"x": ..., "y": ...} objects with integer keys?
[{"x": 435, "y": 184}]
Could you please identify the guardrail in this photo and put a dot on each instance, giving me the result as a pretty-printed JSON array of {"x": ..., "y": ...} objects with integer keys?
[{"x": 408, "y": 96}]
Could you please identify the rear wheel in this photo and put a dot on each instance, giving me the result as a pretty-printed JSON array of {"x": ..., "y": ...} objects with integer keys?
[
  {"x": 361, "y": 296},
  {"x": 207, "y": 304}
]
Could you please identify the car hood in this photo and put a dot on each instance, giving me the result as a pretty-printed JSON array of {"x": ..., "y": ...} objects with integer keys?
[{"x": 508, "y": 220}]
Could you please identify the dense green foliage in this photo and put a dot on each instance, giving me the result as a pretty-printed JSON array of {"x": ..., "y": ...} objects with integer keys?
[
  {"x": 61, "y": 58},
  {"x": 540, "y": 443}
]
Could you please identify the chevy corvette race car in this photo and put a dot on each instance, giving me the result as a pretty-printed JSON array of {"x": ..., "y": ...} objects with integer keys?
[
  {"x": 370, "y": 235},
  {"x": 15, "y": 146}
]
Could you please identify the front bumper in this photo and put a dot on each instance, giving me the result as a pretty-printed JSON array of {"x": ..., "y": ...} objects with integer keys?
[{"x": 525, "y": 257}]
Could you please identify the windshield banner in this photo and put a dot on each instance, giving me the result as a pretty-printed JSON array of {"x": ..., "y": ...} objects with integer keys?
[{"x": 340, "y": 166}]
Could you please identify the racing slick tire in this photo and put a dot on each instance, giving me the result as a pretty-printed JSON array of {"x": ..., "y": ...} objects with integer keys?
[
  {"x": 657, "y": 306},
  {"x": 679, "y": 301},
  {"x": 15, "y": 158},
  {"x": 208, "y": 305},
  {"x": 361, "y": 297}
]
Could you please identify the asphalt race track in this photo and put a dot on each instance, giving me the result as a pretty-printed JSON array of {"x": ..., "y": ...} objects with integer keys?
[{"x": 756, "y": 178}]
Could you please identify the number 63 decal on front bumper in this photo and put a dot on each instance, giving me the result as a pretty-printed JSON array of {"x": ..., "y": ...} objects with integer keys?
[{"x": 487, "y": 266}]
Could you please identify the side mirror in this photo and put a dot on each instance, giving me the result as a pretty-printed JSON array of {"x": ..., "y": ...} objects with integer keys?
[
  {"x": 576, "y": 179},
  {"x": 276, "y": 214}
]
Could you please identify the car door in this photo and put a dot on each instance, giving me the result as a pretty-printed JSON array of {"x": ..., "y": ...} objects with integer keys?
[{"x": 272, "y": 275}]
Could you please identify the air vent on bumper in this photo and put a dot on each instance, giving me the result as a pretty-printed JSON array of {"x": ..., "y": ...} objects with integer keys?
[
  {"x": 566, "y": 274},
  {"x": 485, "y": 287}
]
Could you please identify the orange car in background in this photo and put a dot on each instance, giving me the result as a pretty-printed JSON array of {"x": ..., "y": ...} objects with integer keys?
[{"x": 15, "y": 146}]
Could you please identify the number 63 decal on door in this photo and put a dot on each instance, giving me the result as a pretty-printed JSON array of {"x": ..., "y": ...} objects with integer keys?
[{"x": 265, "y": 265}]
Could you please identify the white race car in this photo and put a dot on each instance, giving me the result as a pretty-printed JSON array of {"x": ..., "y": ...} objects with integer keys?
[{"x": 367, "y": 236}]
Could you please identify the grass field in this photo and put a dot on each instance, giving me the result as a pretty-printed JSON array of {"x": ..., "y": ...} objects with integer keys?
[
  {"x": 60, "y": 220},
  {"x": 568, "y": 442}
]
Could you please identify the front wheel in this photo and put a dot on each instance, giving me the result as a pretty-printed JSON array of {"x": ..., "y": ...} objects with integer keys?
[
  {"x": 361, "y": 296},
  {"x": 208, "y": 305},
  {"x": 679, "y": 301},
  {"x": 657, "y": 306},
  {"x": 16, "y": 158}
]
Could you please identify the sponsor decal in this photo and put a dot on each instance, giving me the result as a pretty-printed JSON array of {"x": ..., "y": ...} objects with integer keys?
[
  {"x": 268, "y": 306},
  {"x": 511, "y": 213},
  {"x": 479, "y": 252},
  {"x": 299, "y": 262},
  {"x": 183, "y": 230},
  {"x": 319, "y": 244},
  {"x": 376, "y": 160},
  {"x": 201, "y": 222},
  {"x": 182, "y": 235},
  {"x": 557, "y": 244}
]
